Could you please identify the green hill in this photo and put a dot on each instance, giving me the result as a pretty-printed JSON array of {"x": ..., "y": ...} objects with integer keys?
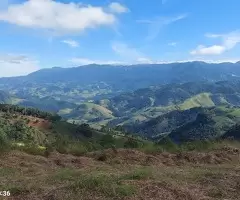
[
  {"x": 233, "y": 133},
  {"x": 188, "y": 125},
  {"x": 89, "y": 112},
  {"x": 5, "y": 97},
  {"x": 31, "y": 128}
]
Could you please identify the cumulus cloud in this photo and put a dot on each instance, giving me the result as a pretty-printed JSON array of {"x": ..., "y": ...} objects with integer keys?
[
  {"x": 57, "y": 16},
  {"x": 117, "y": 8},
  {"x": 16, "y": 65},
  {"x": 71, "y": 43},
  {"x": 227, "y": 42},
  {"x": 212, "y": 50}
]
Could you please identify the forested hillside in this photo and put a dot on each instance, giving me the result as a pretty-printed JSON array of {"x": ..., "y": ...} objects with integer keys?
[
  {"x": 132, "y": 96},
  {"x": 95, "y": 82},
  {"x": 189, "y": 125},
  {"x": 137, "y": 110},
  {"x": 4, "y": 97}
]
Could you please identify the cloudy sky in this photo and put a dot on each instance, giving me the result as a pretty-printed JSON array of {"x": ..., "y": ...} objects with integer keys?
[{"x": 36, "y": 34}]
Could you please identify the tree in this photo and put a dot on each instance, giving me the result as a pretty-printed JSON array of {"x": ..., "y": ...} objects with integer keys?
[
  {"x": 106, "y": 141},
  {"x": 4, "y": 143},
  {"x": 131, "y": 143},
  {"x": 85, "y": 130}
]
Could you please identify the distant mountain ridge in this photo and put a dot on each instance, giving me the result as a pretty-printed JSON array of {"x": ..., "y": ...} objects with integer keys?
[
  {"x": 133, "y": 96},
  {"x": 132, "y": 77},
  {"x": 96, "y": 82}
]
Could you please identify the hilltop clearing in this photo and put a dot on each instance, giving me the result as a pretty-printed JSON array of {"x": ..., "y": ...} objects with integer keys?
[{"x": 123, "y": 174}]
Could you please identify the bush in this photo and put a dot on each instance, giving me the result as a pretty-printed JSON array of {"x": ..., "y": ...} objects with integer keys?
[
  {"x": 85, "y": 130},
  {"x": 152, "y": 148},
  {"x": 101, "y": 156},
  {"x": 32, "y": 149},
  {"x": 168, "y": 145},
  {"x": 4, "y": 143},
  {"x": 131, "y": 143},
  {"x": 107, "y": 141},
  {"x": 76, "y": 149},
  {"x": 61, "y": 143},
  {"x": 203, "y": 145},
  {"x": 49, "y": 149}
]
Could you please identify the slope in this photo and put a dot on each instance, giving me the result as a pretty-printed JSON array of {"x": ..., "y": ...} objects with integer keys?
[
  {"x": 94, "y": 82},
  {"x": 4, "y": 97},
  {"x": 187, "y": 125}
]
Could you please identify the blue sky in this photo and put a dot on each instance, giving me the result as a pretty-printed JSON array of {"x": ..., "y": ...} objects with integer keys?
[{"x": 36, "y": 34}]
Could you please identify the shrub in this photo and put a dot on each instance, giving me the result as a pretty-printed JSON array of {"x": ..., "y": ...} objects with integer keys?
[
  {"x": 76, "y": 149},
  {"x": 201, "y": 145},
  {"x": 107, "y": 141},
  {"x": 4, "y": 143},
  {"x": 168, "y": 145},
  {"x": 101, "y": 156},
  {"x": 138, "y": 174},
  {"x": 48, "y": 150},
  {"x": 32, "y": 149},
  {"x": 131, "y": 143},
  {"x": 151, "y": 148}
]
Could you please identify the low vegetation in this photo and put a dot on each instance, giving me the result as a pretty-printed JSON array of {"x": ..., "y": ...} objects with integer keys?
[
  {"x": 211, "y": 173},
  {"x": 45, "y": 158}
]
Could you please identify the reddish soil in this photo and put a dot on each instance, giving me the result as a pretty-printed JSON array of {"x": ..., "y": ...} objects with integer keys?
[{"x": 39, "y": 123}]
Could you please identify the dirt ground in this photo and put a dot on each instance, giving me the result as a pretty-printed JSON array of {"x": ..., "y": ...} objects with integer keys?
[{"x": 122, "y": 174}]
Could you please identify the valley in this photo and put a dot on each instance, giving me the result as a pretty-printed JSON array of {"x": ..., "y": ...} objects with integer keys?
[
  {"x": 119, "y": 100},
  {"x": 164, "y": 138},
  {"x": 44, "y": 157},
  {"x": 159, "y": 96}
]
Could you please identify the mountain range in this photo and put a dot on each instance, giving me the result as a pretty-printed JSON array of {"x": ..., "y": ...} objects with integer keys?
[
  {"x": 150, "y": 100},
  {"x": 98, "y": 81}
]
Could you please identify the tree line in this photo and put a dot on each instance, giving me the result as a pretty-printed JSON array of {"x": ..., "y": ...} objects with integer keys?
[{"x": 29, "y": 112}]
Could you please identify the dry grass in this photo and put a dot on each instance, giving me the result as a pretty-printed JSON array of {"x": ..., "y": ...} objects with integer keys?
[{"x": 125, "y": 174}]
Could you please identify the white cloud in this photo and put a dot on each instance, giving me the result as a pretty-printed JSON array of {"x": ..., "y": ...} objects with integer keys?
[
  {"x": 163, "y": 20},
  {"x": 130, "y": 54},
  {"x": 212, "y": 50},
  {"x": 16, "y": 65},
  {"x": 201, "y": 60},
  {"x": 124, "y": 50},
  {"x": 117, "y": 8},
  {"x": 71, "y": 43},
  {"x": 56, "y": 16},
  {"x": 158, "y": 23},
  {"x": 228, "y": 42},
  {"x": 144, "y": 60},
  {"x": 173, "y": 44},
  {"x": 86, "y": 61}
]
